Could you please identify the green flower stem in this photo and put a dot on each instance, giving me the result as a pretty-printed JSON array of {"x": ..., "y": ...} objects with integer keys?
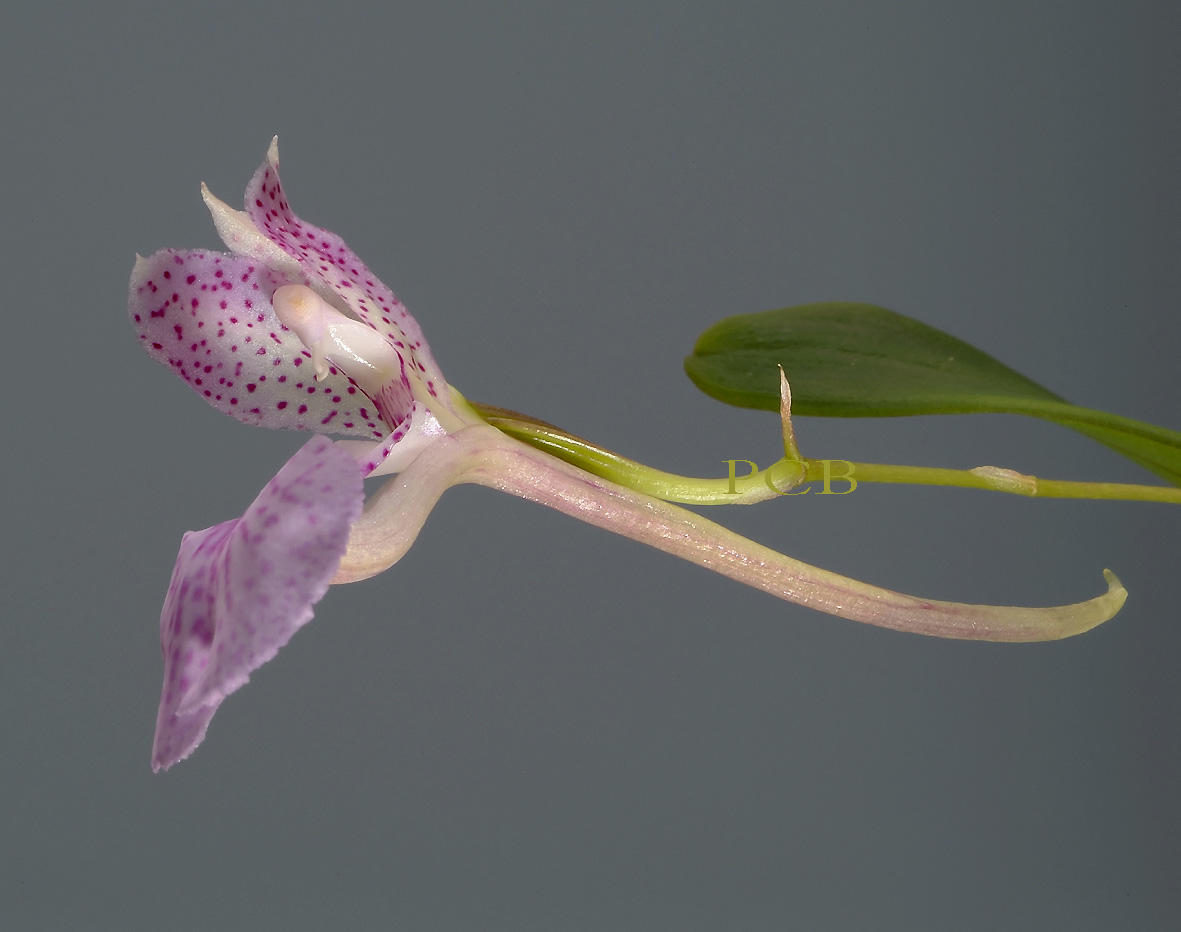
[
  {"x": 1000, "y": 480},
  {"x": 785, "y": 475},
  {"x": 601, "y": 462}
]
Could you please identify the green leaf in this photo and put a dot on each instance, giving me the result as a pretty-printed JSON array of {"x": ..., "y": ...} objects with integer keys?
[{"x": 858, "y": 360}]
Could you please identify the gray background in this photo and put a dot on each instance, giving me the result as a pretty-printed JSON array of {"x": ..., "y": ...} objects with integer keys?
[{"x": 528, "y": 723}]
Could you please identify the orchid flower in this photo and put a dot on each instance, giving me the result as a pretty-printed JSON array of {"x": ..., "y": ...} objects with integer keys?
[{"x": 290, "y": 329}]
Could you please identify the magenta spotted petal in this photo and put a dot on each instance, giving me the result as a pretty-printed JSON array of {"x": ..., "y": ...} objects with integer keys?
[
  {"x": 208, "y": 316},
  {"x": 325, "y": 258},
  {"x": 240, "y": 590}
]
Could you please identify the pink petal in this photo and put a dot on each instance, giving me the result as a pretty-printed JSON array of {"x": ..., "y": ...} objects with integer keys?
[
  {"x": 405, "y": 442},
  {"x": 208, "y": 316},
  {"x": 240, "y": 590},
  {"x": 326, "y": 258}
]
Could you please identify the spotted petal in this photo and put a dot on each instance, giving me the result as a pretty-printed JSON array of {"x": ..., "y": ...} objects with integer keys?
[
  {"x": 208, "y": 316},
  {"x": 325, "y": 258},
  {"x": 240, "y": 590}
]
